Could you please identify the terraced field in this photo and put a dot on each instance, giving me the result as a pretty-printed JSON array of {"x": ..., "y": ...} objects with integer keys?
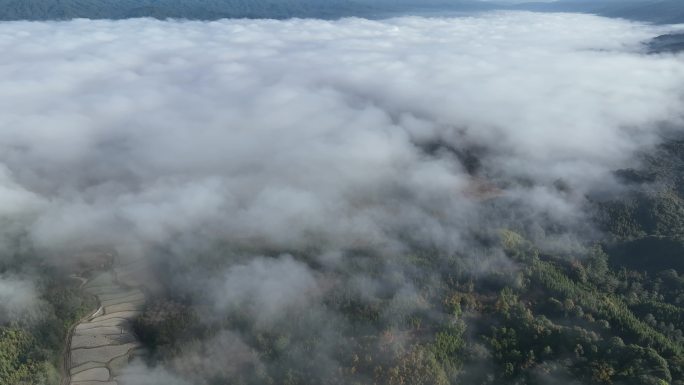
[{"x": 101, "y": 345}]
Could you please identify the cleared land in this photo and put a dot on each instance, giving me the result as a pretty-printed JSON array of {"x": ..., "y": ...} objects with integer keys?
[{"x": 101, "y": 345}]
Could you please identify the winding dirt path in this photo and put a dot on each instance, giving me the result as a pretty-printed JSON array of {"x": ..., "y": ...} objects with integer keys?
[{"x": 101, "y": 344}]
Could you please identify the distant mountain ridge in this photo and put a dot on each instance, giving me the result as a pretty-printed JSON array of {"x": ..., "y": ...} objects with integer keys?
[
  {"x": 667, "y": 43},
  {"x": 662, "y": 11},
  {"x": 215, "y": 9},
  {"x": 657, "y": 11}
]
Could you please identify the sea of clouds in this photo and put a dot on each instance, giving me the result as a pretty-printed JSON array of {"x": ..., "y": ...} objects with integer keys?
[
  {"x": 299, "y": 131},
  {"x": 322, "y": 136}
]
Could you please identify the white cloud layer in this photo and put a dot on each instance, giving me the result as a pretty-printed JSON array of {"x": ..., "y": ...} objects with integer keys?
[
  {"x": 299, "y": 133},
  {"x": 19, "y": 301},
  {"x": 313, "y": 138}
]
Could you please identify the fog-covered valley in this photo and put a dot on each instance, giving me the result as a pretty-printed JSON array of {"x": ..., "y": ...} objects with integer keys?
[{"x": 485, "y": 199}]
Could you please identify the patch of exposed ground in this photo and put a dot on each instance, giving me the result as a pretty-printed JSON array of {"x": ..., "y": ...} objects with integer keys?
[{"x": 101, "y": 345}]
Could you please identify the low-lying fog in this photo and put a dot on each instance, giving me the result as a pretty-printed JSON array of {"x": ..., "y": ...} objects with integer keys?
[{"x": 317, "y": 138}]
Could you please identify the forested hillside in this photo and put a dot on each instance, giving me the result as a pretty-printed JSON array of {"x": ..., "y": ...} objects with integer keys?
[
  {"x": 614, "y": 314},
  {"x": 216, "y": 9},
  {"x": 658, "y": 11},
  {"x": 32, "y": 337},
  {"x": 114, "y": 9},
  {"x": 655, "y": 11}
]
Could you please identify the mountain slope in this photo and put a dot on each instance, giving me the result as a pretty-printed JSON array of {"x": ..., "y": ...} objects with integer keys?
[{"x": 214, "y": 9}]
